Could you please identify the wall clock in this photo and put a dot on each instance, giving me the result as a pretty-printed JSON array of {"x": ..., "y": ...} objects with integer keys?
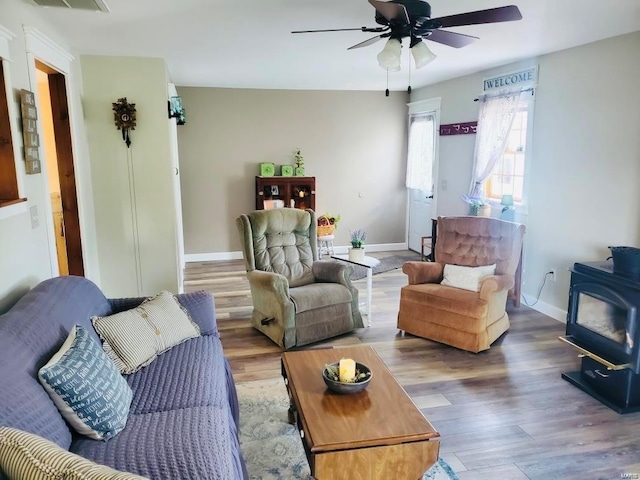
[
  {"x": 124, "y": 116},
  {"x": 267, "y": 169}
]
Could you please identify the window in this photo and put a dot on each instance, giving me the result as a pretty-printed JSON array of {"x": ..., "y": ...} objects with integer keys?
[
  {"x": 502, "y": 152},
  {"x": 8, "y": 178},
  {"x": 421, "y": 151},
  {"x": 508, "y": 176}
]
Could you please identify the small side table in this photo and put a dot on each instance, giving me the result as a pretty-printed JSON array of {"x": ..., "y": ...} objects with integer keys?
[{"x": 368, "y": 263}]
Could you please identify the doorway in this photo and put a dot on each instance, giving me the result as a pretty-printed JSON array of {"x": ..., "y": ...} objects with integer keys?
[{"x": 53, "y": 109}]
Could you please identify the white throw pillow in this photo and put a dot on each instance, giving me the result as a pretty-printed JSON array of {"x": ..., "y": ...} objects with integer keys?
[
  {"x": 133, "y": 339},
  {"x": 27, "y": 456},
  {"x": 467, "y": 278}
]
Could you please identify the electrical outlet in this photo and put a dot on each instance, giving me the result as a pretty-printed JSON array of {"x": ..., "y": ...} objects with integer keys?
[{"x": 553, "y": 274}]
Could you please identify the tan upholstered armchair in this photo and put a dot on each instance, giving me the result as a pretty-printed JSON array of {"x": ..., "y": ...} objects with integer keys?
[
  {"x": 461, "y": 318},
  {"x": 297, "y": 299}
]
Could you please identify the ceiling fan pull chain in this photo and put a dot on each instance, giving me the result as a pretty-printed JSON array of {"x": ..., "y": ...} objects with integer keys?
[
  {"x": 409, "y": 68},
  {"x": 386, "y": 92}
]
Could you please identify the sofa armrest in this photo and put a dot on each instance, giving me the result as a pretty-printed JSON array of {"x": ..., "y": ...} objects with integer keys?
[
  {"x": 495, "y": 283},
  {"x": 423, "y": 272},
  {"x": 200, "y": 306}
]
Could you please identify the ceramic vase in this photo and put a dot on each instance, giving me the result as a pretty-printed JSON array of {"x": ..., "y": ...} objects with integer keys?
[{"x": 356, "y": 254}]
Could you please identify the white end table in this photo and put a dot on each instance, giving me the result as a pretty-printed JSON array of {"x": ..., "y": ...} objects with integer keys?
[{"x": 368, "y": 263}]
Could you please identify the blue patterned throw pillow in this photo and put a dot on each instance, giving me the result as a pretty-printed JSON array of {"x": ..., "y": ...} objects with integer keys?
[{"x": 87, "y": 387}]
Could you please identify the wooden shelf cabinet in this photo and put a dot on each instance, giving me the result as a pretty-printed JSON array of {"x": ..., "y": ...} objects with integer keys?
[{"x": 295, "y": 192}]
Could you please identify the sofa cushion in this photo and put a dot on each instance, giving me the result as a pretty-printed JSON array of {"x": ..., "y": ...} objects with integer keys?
[
  {"x": 27, "y": 456},
  {"x": 467, "y": 278},
  {"x": 87, "y": 387},
  {"x": 191, "y": 374},
  {"x": 188, "y": 443},
  {"x": 133, "y": 339},
  {"x": 318, "y": 295}
]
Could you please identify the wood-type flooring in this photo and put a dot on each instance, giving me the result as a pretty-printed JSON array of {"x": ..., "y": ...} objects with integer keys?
[{"x": 502, "y": 414}]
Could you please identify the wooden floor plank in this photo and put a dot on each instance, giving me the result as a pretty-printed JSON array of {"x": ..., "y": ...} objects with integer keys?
[{"x": 502, "y": 414}]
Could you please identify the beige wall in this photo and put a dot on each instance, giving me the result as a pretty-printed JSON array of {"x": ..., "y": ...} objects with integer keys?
[
  {"x": 585, "y": 171},
  {"x": 354, "y": 143}
]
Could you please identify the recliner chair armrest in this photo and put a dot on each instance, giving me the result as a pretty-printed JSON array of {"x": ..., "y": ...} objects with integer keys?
[
  {"x": 269, "y": 281},
  {"x": 423, "y": 272},
  {"x": 495, "y": 283},
  {"x": 332, "y": 272}
]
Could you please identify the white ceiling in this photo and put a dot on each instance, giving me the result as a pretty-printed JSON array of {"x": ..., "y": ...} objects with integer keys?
[{"x": 248, "y": 44}]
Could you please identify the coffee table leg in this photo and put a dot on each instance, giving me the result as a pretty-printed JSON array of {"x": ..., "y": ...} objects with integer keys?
[{"x": 369, "y": 287}]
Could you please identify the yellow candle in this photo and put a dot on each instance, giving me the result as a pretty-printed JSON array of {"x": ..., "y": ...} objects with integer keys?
[{"x": 347, "y": 370}]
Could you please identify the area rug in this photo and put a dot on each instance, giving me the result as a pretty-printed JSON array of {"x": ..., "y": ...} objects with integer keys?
[
  {"x": 386, "y": 264},
  {"x": 272, "y": 447}
]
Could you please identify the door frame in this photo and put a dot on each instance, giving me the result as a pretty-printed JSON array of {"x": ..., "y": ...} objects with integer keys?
[
  {"x": 426, "y": 106},
  {"x": 40, "y": 48}
]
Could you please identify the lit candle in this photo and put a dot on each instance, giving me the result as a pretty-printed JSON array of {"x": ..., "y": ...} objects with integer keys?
[{"x": 347, "y": 370}]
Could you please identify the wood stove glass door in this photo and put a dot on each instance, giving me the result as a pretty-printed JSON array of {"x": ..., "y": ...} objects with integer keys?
[{"x": 604, "y": 318}]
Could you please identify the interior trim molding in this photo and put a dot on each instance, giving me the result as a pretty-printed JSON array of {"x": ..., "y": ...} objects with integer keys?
[
  {"x": 546, "y": 308},
  {"x": 215, "y": 256},
  {"x": 6, "y": 36},
  {"x": 42, "y": 46}
]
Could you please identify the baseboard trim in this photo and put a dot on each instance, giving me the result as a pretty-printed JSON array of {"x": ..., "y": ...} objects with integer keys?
[
  {"x": 546, "y": 308},
  {"x": 215, "y": 256}
]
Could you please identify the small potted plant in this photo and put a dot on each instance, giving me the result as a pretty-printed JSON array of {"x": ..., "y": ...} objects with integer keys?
[
  {"x": 299, "y": 159},
  {"x": 478, "y": 206},
  {"x": 356, "y": 252}
]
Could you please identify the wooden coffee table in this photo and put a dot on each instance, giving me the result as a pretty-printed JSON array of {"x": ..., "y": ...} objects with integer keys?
[{"x": 378, "y": 433}]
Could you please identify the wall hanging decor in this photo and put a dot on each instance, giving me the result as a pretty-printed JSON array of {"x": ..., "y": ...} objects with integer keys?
[
  {"x": 124, "y": 114},
  {"x": 176, "y": 110},
  {"x": 465, "y": 128},
  {"x": 30, "y": 132}
]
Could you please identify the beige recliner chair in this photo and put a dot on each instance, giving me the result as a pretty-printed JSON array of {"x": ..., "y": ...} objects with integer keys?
[
  {"x": 297, "y": 299},
  {"x": 461, "y": 318}
]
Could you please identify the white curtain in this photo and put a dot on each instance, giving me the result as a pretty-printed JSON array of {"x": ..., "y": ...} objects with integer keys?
[
  {"x": 421, "y": 151},
  {"x": 494, "y": 124}
]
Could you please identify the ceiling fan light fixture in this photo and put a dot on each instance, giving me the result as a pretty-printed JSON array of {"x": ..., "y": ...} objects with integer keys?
[
  {"x": 389, "y": 57},
  {"x": 422, "y": 55}
]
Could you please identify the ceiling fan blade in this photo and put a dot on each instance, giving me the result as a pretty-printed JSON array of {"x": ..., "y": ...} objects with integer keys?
[
  {"x": 366, "y": 43},
  {"x": 452, "y": 39},
  {"x": 330, "y": 30},
  {"x": 492, "y": 15},
  {"x": 394, "y": 12}
]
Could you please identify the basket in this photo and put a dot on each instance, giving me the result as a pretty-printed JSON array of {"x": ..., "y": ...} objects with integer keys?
[{"x": 324, "y": 227}]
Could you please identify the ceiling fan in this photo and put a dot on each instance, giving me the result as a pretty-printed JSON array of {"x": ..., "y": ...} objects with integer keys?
[{"x": 412, "y": 18}]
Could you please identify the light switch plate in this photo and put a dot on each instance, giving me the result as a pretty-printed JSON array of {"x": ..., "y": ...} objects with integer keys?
[{"x": 35, "y": 220}]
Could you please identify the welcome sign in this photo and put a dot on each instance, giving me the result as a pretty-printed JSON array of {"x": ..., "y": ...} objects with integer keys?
[{"x": 514, "y": 80}]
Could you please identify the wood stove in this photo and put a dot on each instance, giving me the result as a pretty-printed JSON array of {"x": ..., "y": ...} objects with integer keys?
[{"x": 602, "y": 324}]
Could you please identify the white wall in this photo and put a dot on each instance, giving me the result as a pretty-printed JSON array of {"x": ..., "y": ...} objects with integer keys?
[
  {"x": 136, "y": 234},
  {"x": 24, "y": 251},
  {"x": 585, "y": 171}
]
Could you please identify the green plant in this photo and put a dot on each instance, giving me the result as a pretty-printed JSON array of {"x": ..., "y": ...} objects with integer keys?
[
  {"x": 357, "y": 238},
  {"x": 297, "y": 155}
]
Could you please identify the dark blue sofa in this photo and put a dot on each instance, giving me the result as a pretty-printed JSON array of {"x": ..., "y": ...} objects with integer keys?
[{"x": 183, "y": 421}]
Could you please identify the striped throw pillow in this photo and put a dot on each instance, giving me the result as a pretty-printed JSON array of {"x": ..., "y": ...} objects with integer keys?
[
  {"x": 87, "y": 387},
  {"x": 133, "y": 339},
  {"x": 25, "y": 456}
]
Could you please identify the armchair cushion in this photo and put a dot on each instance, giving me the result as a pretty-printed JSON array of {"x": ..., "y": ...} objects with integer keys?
[
  {"x": 446, "y": 299},
  {"x": 318, "y": 295},
  {"x": 467, "y": 278}
]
